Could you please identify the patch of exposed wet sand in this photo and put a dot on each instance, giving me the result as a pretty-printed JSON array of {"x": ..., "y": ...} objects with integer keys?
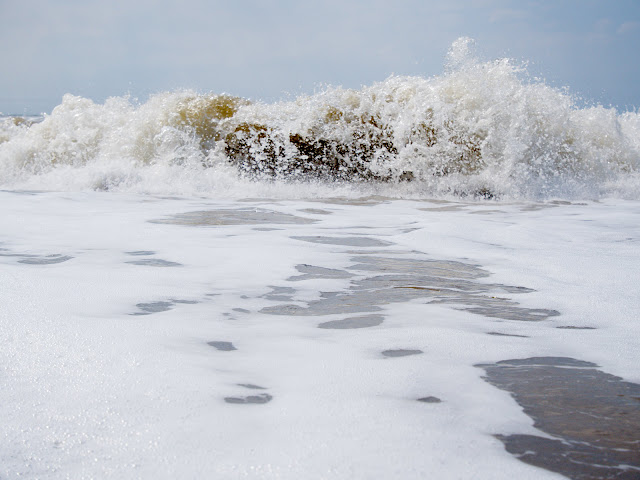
[
  {"x": 345, "y": 241},
  {"x": 254, "y": 216},
  {"x": 393, "y": 280},
  {"x": 594, "y": 417},
  {"x": 363, "y": 321}
]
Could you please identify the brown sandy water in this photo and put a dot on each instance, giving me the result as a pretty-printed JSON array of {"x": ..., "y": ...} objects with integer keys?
[
  {"x": 404, "y": 279},
  {"x": 231, "y": 216},
  {"x": 593, "y": 417}
]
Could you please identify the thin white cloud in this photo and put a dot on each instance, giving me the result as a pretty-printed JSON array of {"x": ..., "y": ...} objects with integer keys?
[
  {"x": 603, "y": 25},
  {"x": 508, "y": 15},
  {"x": 628, "y": 27}
]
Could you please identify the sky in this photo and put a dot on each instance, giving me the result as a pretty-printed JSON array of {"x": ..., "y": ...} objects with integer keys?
[{"x": 272, "y": 50}]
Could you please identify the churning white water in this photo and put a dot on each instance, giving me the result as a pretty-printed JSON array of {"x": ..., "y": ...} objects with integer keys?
[{"x": 482, "y": 129}]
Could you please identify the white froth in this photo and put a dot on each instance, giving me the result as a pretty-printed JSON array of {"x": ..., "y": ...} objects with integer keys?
[{"x": 90, "y": 390}]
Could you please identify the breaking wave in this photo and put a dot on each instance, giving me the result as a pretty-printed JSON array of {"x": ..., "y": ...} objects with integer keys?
[{"x": 482, "y": 129}]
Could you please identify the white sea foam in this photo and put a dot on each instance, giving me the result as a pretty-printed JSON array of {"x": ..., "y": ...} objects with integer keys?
[
  {"x": 480, "y": 129},
  {"x": 93, "y": 389}
]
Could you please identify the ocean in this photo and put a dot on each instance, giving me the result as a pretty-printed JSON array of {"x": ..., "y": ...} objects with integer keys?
[{"x": 424, "y": 278}]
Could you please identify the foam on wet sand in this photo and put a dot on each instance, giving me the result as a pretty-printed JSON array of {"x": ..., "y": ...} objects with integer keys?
[{"x": 266, "y": 355}]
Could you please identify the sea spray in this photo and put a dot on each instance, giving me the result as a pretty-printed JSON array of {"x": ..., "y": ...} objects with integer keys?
[{"x": 480, "y": 130}]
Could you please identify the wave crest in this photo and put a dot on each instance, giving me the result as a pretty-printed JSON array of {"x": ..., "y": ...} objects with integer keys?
[{"x": 481, "y": 129}]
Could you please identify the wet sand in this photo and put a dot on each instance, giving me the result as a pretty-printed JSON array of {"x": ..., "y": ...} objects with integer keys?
[{"x": 593, "y": 417}]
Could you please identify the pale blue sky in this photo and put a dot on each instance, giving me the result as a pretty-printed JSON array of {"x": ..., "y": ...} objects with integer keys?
[{"x": 276, "y": 49}]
